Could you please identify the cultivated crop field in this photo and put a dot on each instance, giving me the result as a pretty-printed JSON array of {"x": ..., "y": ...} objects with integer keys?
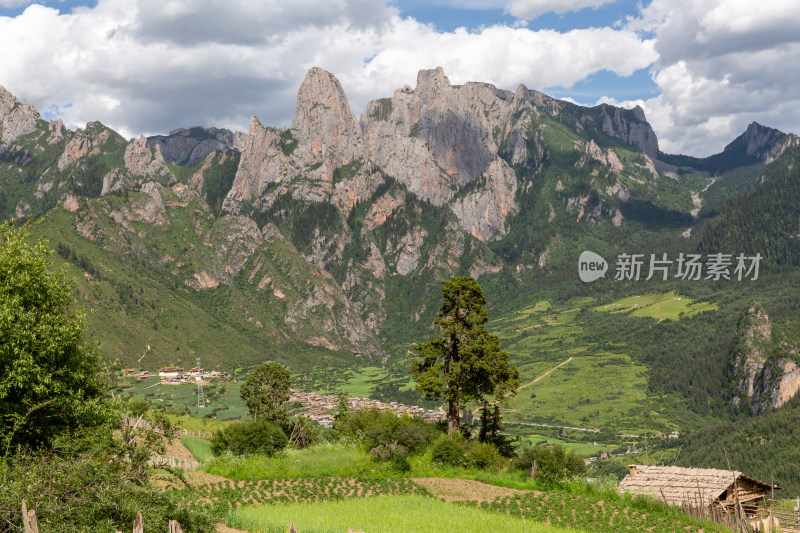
[
  {"x": 597, "y": 515},
  {"x": 384, "y": 514},
  {"x": 224, "y": 496}
]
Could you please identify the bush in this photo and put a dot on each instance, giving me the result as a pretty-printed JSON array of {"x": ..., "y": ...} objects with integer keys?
[
  {"x": 553, "y": 462},
  {"x": 303, "y": 432},
  {"x": 249, "y": 437},
  {"x": 376, "y": 429},
  {"x": 449, "y": 450},
  {"x": 484, "y": 455},
  {"x": 82, "y": 485}
]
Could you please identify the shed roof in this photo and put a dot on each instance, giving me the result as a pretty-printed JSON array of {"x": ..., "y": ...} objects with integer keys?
[{"x": 678, "y": 485}]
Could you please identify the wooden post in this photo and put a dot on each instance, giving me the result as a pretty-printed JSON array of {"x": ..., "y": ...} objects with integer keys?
[
  {"x": 29, "y": 521},
  {"x": 534, "y": 469},
  {"x": 175, "y": 527},
  {"x": 138, "y": 526}
]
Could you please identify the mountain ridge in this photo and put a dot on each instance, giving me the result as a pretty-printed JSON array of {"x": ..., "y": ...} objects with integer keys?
[{"x": 324, "y": 243}]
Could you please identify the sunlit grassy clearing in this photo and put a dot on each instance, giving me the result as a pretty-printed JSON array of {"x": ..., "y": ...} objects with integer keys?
[
  {"x": 574, "y": 393},
  {"x": 199, "y": 448},
  {"x": 322, "y": 460},
  {"x": 361, "y": 381},
  {"x": 382, "y": 514},
  {"x": 666, "y": 306},
  {"x": 583, "y": 448}
]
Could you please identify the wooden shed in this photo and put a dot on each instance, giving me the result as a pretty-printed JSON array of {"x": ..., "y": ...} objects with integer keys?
[{"x": 698, "y": 487}]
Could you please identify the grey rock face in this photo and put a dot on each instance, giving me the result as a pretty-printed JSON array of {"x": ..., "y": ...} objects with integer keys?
[
  {"x": 188, "y": 146},
  {"x": 756, "y": 141},
  {"x": 637, "y": 132},
  {"x": 323, "y": 122},
  {"x": 141, "y": 160},
  {"x": 483, "y": 212},
  {"x": 435, "y": 138},
  {"x": 16, "y": 118},
  {"x": 324, "y": 136}
]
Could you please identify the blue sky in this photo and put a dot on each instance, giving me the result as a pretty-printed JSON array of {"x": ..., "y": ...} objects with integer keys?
[{"x": 701, "y": 69}]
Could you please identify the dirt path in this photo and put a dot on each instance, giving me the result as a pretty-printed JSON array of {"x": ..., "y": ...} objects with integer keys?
[
  {"x": 222, "y": 528},
  {"x": 460, "y": 490},
  {"x": 478, "y": 410},
  {"x": 178, "y": 451},
  {"x": 546, "y": 373}
]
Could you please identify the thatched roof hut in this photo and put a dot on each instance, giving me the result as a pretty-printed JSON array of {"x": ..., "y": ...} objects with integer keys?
[{"x": 694, "y": 487}]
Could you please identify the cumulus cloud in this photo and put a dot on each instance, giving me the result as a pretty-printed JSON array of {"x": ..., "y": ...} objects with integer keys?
[
  {"x": 142, "y": 66},
  {"x": 721, "y": 65},
  {"x": 145, "y": 67},
  {"x": 530, "y": 9}
]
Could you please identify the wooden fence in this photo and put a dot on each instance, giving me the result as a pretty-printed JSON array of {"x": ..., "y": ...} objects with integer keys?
[
  {"x": 30, "y": 523},
  {"x": 140, "y": 422},
  {"x": 184, "y": 464}
]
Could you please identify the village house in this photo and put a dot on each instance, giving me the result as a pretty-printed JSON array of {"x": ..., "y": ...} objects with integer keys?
[
  {"x": 171, "y": 374},
  {"x": 699, "y": 488},
  {"x": 318, "y": 407}
]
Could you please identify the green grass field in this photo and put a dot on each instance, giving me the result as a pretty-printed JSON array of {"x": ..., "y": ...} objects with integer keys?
[
  {"x": 570, "y": 377},
  {"x": 223, "y": 401},
  {"x": 321, "y": 460},
  {"x": 200, "y": 448},
  {"x": 666, "y": 306},
  {"x": 380, "y": 514}
]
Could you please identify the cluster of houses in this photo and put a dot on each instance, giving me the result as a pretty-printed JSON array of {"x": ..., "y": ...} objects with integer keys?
[
  {"x": 144, "y": 375},
  {"x": 173, "y": 375},
  {"x": 320, "y": 406}
]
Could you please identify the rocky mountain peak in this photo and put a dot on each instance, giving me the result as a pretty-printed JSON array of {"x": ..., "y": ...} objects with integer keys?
[
  {"x": 430, "y": 82},
  {"x": 255, "y": 125},
  {"x": 16, "y": 118},
  {"x": 141, "y": 160},
  {"x": 757, "y": 140},
  {"x": 323, "y": 119},
  {"x": 629, "y": 126},
  {"x": 186, "y": 146}
]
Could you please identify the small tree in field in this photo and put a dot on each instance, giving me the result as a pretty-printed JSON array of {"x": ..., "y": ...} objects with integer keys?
[
  {"x": 51, "y": 381},
  {"x": 266, "y": 390},
  {"x": 465, "y": 363}
]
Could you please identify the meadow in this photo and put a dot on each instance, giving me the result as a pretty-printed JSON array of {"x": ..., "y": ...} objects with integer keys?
[{"x": 573, "y": 377}]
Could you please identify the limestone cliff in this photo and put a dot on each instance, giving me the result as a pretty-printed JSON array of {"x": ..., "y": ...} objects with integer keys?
[
  {"x": 16, "y": 118},
  {"x": 765, "y": 375},
  {"x": 188, "y": 146}
]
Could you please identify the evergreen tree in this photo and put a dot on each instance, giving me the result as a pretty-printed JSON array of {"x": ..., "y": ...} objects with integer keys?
[{"x": 465, "y": 363}]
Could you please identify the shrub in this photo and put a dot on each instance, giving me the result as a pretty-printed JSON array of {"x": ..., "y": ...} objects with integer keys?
[
  {"x": 82, "y": 485},
  {"x": 249, "y": 437},
  {"x": 553, "y": 462},
  {"x": 449, "y": 450},
  {"x": 483, "y": 455},
  {"x": 376, "y": 428}
]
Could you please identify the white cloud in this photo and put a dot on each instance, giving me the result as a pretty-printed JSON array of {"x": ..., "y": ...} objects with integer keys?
[
  {"x": 122, "y": 65},
  {"x": 530, "y": 9},
  {"x": 722, "y": 64},
  {"x": 143, "y": 66}
]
